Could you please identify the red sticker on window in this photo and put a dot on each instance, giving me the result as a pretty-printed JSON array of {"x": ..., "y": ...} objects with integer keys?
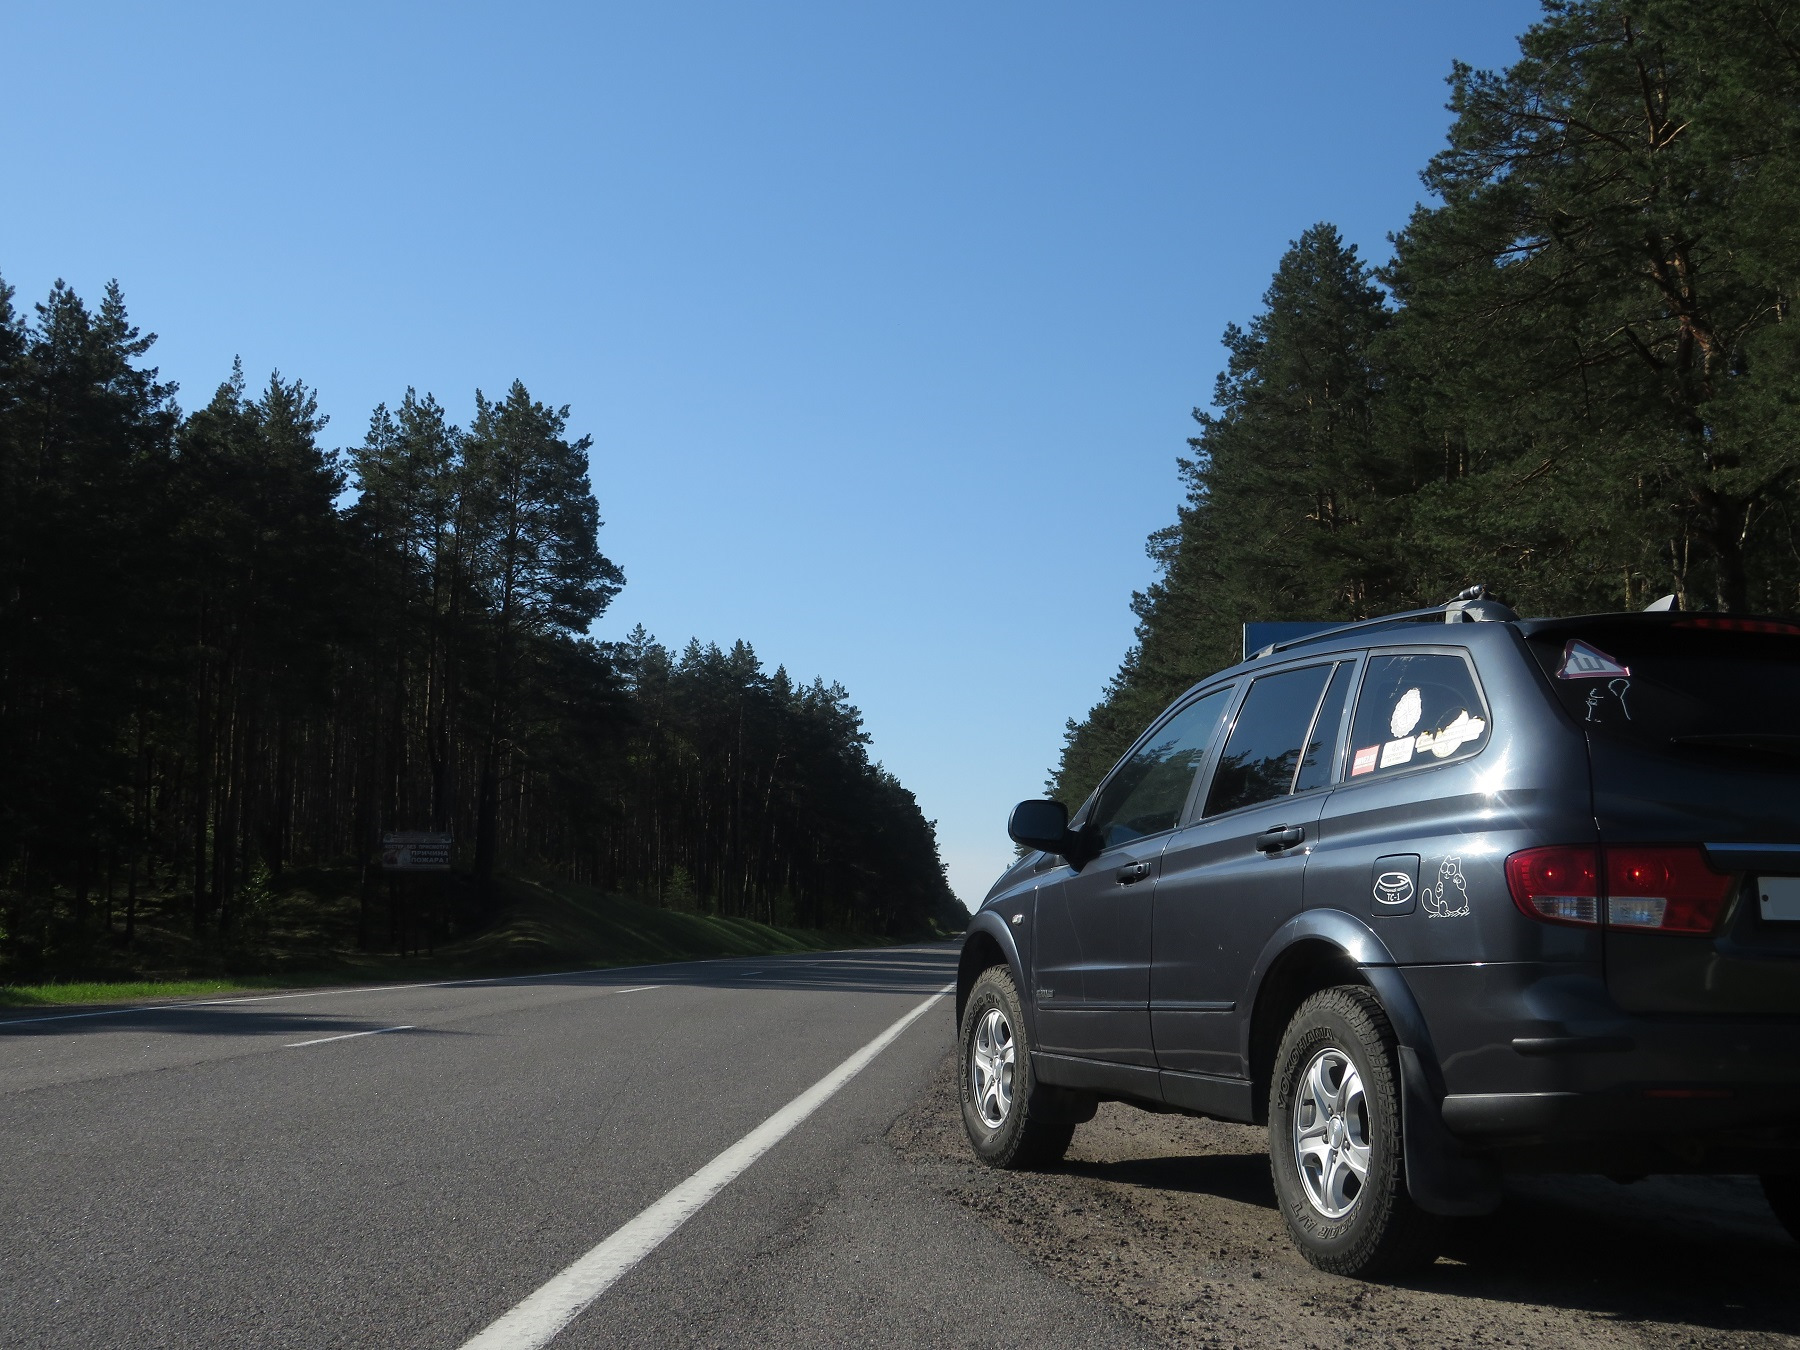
[
  {"x": 1584, "y": 661},
  {"x": 1364, "y": 761}
]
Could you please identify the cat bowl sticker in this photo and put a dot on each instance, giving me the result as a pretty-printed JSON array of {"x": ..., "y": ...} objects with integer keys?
[
  {"x": 1584, "y": 661},
  {"x": 1393, "y": 888},
  {"x": 1394, "y": 885}
]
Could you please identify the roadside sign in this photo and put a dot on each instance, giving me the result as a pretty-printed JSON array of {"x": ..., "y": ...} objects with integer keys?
[{"x": 415, "y": 851}]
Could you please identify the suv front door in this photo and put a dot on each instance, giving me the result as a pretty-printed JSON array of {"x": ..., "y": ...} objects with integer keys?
[
  {"x": 1092, "y": 963},
  {"x": 1233, "y": 877}
]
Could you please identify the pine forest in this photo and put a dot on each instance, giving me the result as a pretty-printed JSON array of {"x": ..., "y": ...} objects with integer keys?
[
  {"x": 1576, "y": 380},
  {"x": 230, "y": 655}
]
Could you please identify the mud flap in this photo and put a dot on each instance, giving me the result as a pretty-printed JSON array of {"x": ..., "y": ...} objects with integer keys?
[
  {"x": 1061, "y": 1105},
  {"x": 1440, "y": 1178}
]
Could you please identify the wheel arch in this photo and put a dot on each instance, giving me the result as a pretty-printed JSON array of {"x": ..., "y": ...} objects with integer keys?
[
  {"x": 1306, "y": 967},
  {"x": 988, "y": 943},
  {"x": 1315, "y": 950}
]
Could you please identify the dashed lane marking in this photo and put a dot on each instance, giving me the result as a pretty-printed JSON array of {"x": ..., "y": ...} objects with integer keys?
[{"x": 347, "y": 1036}]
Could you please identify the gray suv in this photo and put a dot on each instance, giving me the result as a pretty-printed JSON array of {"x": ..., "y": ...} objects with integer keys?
[{"x": 1435, "y": 897}]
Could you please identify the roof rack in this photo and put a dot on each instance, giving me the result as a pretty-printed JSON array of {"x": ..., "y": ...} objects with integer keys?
[{"x": 1470, "y": 606}]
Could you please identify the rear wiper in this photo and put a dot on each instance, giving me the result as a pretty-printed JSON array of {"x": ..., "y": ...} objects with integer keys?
[{"x": 1756, "y": 742}]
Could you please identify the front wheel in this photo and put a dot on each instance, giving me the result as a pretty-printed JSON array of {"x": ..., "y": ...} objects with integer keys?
[
  {"x": 1006, "y": 1115},
  {"x": 1334, "y": 1140}
]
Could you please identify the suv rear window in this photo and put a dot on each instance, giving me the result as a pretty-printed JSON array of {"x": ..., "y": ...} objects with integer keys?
[
  {"x": 1415, "y": 709},
  {"x": 1683, "y": 684}
]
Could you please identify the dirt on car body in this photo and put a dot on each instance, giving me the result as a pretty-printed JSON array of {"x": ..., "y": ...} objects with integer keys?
[{"x": 1173, "y": 1220}]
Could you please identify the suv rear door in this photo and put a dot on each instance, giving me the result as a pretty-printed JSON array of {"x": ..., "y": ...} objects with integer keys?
[{"x": 1693, "y": 730}]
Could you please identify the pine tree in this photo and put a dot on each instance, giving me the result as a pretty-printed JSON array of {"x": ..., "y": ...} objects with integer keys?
[{"x": 1291, "y": 511}]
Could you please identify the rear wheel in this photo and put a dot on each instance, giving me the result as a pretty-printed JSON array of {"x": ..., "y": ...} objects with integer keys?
[
  {"x": 1008, "y": 1117},
  {"x": 1784, "y": 1199},
  {"x": 1334, "y": 1140}
]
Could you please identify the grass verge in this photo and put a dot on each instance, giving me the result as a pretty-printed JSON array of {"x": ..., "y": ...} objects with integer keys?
[
  {"x": 543, "y": 926},
  {"x": 124, "y": 991}
]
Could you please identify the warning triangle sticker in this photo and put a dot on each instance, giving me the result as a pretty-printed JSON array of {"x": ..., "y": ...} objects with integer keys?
[{"x": 1583, "y": 661}]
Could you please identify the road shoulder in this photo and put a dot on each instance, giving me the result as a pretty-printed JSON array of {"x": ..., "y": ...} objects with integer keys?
[{"x": 1172, "y": 1222}]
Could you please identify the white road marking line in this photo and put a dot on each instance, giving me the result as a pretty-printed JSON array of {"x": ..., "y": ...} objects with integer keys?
[
  {"x": 347, "y": 1036},
  {"x": 537, "y": 1320}
]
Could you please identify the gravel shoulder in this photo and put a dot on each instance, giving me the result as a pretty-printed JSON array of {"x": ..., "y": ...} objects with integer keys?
[{"x": 1173, "y": 1221}]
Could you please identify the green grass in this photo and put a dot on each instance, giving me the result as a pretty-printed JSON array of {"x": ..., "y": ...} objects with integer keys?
[
  {"x": 122, "y": 991},
  {"x": 551, "y": 921},
  {"x": 544, "y": 925}
]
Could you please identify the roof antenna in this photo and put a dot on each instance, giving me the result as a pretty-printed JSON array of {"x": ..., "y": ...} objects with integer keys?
[{"x": 1667, "y": 603}]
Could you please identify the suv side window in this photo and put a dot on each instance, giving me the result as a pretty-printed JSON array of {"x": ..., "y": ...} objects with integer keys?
[
  {"x": 1147, "y": 792},
  {"x": 1415, "y": 708},
  {"x": 1267, "y": 740},
  {"x": 1322, "y": 744}
]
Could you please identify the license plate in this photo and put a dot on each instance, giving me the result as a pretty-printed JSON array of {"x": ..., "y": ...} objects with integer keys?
[{"x": 1780, "y": 898}]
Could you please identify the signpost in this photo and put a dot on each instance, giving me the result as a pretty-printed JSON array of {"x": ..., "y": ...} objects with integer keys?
[{"x": 415, "y": 851}]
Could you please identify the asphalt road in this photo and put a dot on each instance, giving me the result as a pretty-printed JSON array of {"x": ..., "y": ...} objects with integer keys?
[{"x": 235, "y": 1174}]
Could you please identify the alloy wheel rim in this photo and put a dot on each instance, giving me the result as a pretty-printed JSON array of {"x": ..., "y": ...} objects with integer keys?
[
  {"x": 1331, "y": 1133},
  {"x": 991, "y": 1068}
]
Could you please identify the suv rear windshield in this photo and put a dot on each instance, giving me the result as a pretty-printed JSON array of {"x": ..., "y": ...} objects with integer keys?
[{"x": 1679, "y": 684}]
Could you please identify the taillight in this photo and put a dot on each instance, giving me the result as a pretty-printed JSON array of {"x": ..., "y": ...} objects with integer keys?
[
  {"x": 1647, "y": 890},
  {"x": 1724, "y": 625},
  {"x": 1557, "y": 885},
  {"x": 1664, "y": 890}
]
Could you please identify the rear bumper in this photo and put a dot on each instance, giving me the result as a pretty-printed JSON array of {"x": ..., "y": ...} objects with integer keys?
[
  {"x": 1537, "y": 1054},
  {"x": 1652, "y": 1111}
]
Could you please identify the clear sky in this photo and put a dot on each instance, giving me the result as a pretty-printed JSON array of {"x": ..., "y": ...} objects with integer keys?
[{"x": 886, "y": 319}]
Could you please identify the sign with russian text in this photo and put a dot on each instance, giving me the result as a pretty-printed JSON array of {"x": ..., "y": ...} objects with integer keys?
[{"x": 415, "y": 851}]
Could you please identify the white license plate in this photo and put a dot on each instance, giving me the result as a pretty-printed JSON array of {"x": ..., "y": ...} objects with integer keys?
[{"x": 1780, "y": 898}]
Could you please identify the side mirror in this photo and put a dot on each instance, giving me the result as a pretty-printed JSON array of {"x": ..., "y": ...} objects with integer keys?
[
  {"x": 1045, "y": 825},
  {"x": 1040, "y": 825}
]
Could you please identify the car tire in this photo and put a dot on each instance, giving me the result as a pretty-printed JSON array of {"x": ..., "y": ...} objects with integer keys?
[
  {"x": 1010, "y": 1121},
  {"x": 1335, "y": 1142},
  {"x": 1783, "y": 1193}
]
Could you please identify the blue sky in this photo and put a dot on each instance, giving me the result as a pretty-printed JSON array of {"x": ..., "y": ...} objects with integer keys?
[{"x": 886, "y": 320}]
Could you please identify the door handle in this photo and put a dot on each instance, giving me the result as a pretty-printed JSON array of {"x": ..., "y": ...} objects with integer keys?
[
  {"x": 1132, "y": 872},
  {"x": 1280, "y": 838}
]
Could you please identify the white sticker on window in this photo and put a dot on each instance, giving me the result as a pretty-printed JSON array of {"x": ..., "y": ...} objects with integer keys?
[
  {"x": 1396, "y": 752},
  {"x": 1406, "y": 714},
  {"x": 1460, "y": 732}
]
